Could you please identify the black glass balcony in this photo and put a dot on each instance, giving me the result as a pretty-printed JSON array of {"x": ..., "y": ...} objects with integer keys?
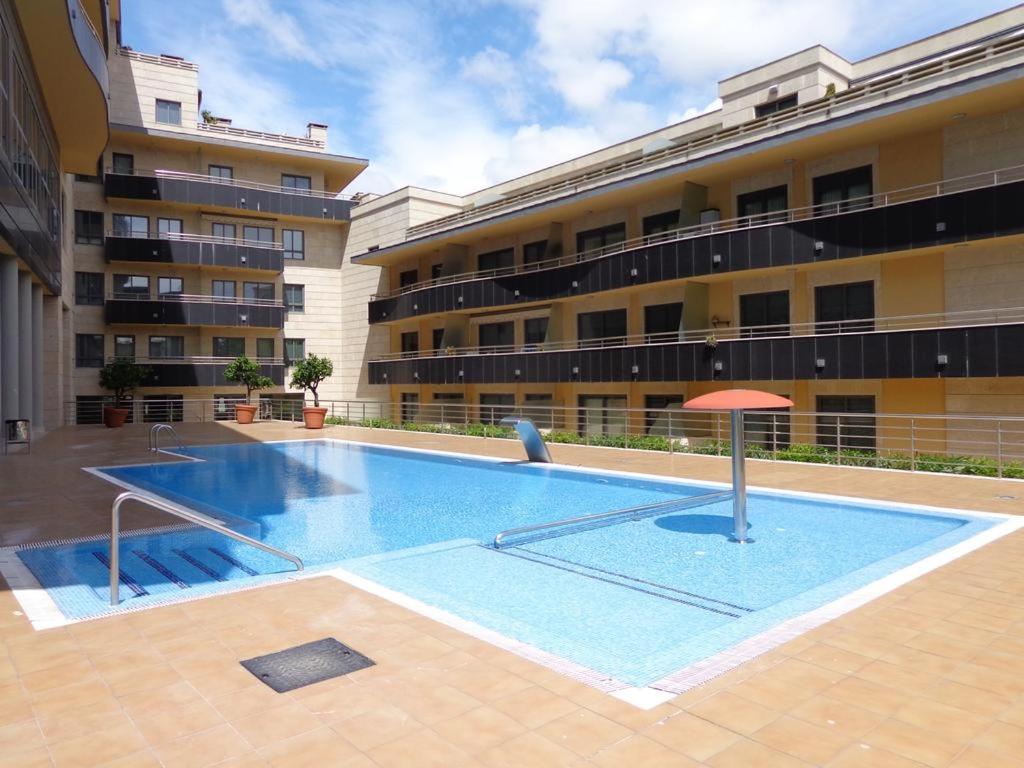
[
  {"x": 956, "y": 217},
  {"x": 194, "y": 310},
  {"x": 199, "y": 372},
  {"x": 197, "y": 251}
]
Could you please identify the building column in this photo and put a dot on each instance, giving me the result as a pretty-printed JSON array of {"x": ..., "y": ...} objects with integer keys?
[
  {"x": 9, "y": 404},
  {"x": 25, "y": 345},
  {"x": 37, "y": 356}
]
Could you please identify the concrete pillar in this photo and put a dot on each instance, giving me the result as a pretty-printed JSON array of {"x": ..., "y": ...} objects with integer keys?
[
  {"x": 25, "y": 345},
  {"x": 37, "y": 356},
  {"x": 9, "y": 403}
]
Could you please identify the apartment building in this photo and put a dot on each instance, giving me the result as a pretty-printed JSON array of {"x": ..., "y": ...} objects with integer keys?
[
  {"x": 196, "y": 241},
  {"x": 848, "y": 234}
]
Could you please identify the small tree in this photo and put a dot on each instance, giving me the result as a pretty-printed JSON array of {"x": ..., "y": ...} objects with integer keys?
[
  {"x": 122, "y": 377},
  {"x": 310, "y": 373},
  {"x": 246, "y": 372}
]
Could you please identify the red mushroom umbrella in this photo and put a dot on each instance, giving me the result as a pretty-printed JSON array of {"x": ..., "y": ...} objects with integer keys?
[{"x": 736, "y": 401}]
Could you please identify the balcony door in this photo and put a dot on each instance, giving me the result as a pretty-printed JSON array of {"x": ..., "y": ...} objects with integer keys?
[
  {"x": 844, "y": 308},
  {"x": 843, "y": 191},
  {"x": 764, "y": 314},
  {"x": 606, "y": 328}
]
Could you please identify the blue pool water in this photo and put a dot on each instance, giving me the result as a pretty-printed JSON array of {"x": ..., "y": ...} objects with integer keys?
[{"x": 634, "y": 601}]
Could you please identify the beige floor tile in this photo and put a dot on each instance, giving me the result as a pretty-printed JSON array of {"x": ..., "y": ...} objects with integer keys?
[
  {"x": 583, "y": 732},
  {"x": 378, "y": 726},
  {"x": 479, "y": 729},
  {"x": 424, "y": 749},
  {"x": 320, "y": 747},
  {"x": 276, "y": 724},
  {"x": 186, "y": 720},
  {"x": 746, "y": 753},
  {"x": 881, "y": 699},
  {"x": 531, "y": 750},
  {"x": 915, "y": 743},
  {"x": 534, "y": 706},
  {"x": 811, "y": 743},
  {"x": 691, "y": 735},
  {"x": 847, "y": 720},
  {"x": 98, "y": 747},
  {"x": 1002, "y": 738},
  {"x": 931, "y": 715},
  {"x": 641, "y": 752},
  {"x": 20, "y": 737},
  {"x": 33, "y": 758},
  {"x": 862, "y": 755},
  {"x": 734, "y": 712},
  {"x": 206, "y": 748}
]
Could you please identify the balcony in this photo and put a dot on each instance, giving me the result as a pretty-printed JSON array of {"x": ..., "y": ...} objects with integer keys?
[
  {"x": 942, "y": 213},
  {"x": 235, "y": 194},
  {"x": 201, "y": 371},
  {"x": 194, "y": 250},
  {"x": 194, "y": 310},
  {"x": 984, "y": 343}
]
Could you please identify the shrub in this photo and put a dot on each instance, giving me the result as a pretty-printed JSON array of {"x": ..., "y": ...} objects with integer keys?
[
  {"x": 246, "y": 372},
  {"x": 122, "y": 377},
  {"x": 310, "y": 373}
]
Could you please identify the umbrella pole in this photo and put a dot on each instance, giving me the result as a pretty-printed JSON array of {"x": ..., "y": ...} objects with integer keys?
[{"x": 739, "y": 479}]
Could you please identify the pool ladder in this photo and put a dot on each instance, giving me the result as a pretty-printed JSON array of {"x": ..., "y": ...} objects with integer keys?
[
  {"x": 185, "y": 514},
  {"x": 154, "y": 437}
]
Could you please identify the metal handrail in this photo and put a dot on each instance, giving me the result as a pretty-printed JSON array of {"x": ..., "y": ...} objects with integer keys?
[
  {"x": 192, "y": 237},
  {"x": 188, "y": 298},
  {"x": 801, "y": 213},
  {"x": 631, "y": 513},
  {"x": 154, "y": 434},
  {"x": 184, "y": 514},
  {"x": 193, "y": 359},
  {"x": 164, "y": 173}
]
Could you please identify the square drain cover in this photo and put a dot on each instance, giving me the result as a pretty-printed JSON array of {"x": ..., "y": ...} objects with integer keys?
[{"x": 306, "y": 664}]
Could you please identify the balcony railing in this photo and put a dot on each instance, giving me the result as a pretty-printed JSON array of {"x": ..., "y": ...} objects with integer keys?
[
  {"x": 199, "y": 371},
  {"x": 187, "y": 298},
  {"x": 278, "y": 138},
  {"x": 180, "y": 309},
  {"x": 194, "y": 360},
  {"x": 802, "y": 213},
  {"x": 189, "y": 237},
  {"x": 161, "y": 173},
  {"x": 992, "y": 51}
]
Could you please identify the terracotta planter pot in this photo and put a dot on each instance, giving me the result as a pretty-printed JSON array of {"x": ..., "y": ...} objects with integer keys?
[
  {"x": 314, "y": 417},
  {"x": 244, "y": 414},
  {"x": 114, "y": 417}
]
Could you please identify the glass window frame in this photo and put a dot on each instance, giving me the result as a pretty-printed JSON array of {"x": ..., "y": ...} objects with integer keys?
[
  {"x": 171, "y": 111},
  {"x": 218, "y": 171},
  {"x": 139, "y": 286},
  {"x": 118, "y": 220},
  {"x": 289, "y": 304},
  {"x": 122, "y": 163},
  {"x": 226, "y": 342},
  {"x": 86, "y": 284},
  {"x": 289, "y": 182},
  {"x": 88, "y": 227},
  {"x": 288, "y": 237},
  {"x": 162, "y": 221},
  {"x": 259, "y": 286},
  {"x": 87, "y": 357},
  {"x": 218, "y": 285},
  {"x": 120, "y": 338},
  {"x": 167, "y": 340},
  {"x": 289, "y": 359},
  {"x": 169, "y": 280}
]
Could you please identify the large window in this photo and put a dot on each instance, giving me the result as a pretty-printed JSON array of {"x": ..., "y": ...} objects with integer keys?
[
  {"x": 124, "y": 347},
  {"x": 410, "y": 341},
  {"x": 89, "y": 288},
  {"x": 168, "y": 112},
  {"x": 170, "y": 226},
  {"x": 771, "y": 107},
  {"x": 602, "y": 237},
  {"x": 503, "y": 259},
  {"x": 294, "y": 350},
  {"x": 294, "y": 243},
  {"x": 843, "y": 191},
  {"x": 437, "y": 338},
  {"x": 89, "y": 227},
  {"x": 534, "y": 252},
  {"x": 840, "y": 421},
  {"x": 602, "y": 415},
  {"x": 169, "y": 286},
  {"x": 224, "y": 289},
  {"x": 497, "y": 334},
  {"x": 295, "y": 297},
  {"x": 219, "y": 229},
  {"x": 167, "y": 347},
  {"x": 494, "y": 407},
  {"x": 123, "y": 163},
  {"x": 259, "y": 234},
  {"x": 408, "y": 277},
  {"x": 663, "y": 322},
  {"x": 228, "y": 346},
  {"x": 127, "y": 225},
  {"x": 535, "y": 330},
  {"x": 763, "y": 201},
  {"x": 662, "y": 415},
  {"x": 265, "y": 348},
  {"x": 661, "y": 222},
  {"x": 844, "y": 308},
  {"x": 758, "y": 310},
  {"x": 89, "y": 351},
  {"x": 131, "y": 287},
  {"x": 609, "y": 326},
  {"x": 299, "y": 183},
  {"x": 222, "y": 171},
  {"x": 258, "y": 291}
]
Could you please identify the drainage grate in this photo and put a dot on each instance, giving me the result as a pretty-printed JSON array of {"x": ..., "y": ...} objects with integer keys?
[{"x": 306, "y": 664}]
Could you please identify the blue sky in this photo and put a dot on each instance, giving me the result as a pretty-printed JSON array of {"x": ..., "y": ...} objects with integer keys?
[{"x": 456, "y": 95}]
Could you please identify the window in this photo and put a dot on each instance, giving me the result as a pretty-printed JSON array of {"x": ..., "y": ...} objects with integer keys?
[
  {"x": 222, "y": 171},
  {"x": 661, "y": 222},
  {"x": 410, "y": 341},
  {"x": 771, "y": 107},
  {"x": 847, "y": 426},
  {"x": 436, "y": 270},
  {"x": 537, "y": 407},
  {"x": 845, "y": 308},
  {"x": 300, "y": 183},
  {"x": 437, "y": 338},
  {"x": 758, "y": 310},
  {"x": 169, "y": 286},
  {"x": 162, "y": 408},
  {"x": 223, "y": 230},
  {"x": 258, "y": 291},
  {"x": 503, "y": 259},
  {"x": 265, "y": 349},
  {"x": 609, "y": 325},
  {"x": 89, "y": 288},
  {"x": 410, "y": 406},
  {"x": 602, "y": 415},
  {"x": 169, "y": 226},
  {"x": 602, "y": 237},
  {"x": 167, "y": 347},
  {"x": 228, "y": 346},
  {"x": 294, "y": 243},
  {"x": 497, "y": 334},
  {"x": 662, "y": 415},
  {"x": 294, "y": 297},
  {"x": 663, "y": 322},
  {"x": 224, "y": 289},
  {"x": 535, "y": 330},
  {"x": 224, "y": 406},
  {"x": 763, "y": 201},
  {"x": 840, "y": 191},
  {"x": 408, "y": 277},
  {"x": 123, "y": 163},
  {"x": 124, "y": 347},
  {"x": 495, "y": 407},
  {"x": 126, "y": 225},
  {"x": 168, "y": 112},
  {"x": 294, "y": 350},
  {"x": 131, "y": 287},
  {"x": 89, "y": 227},
  {"x": 89, "y": 350},
  {"x": 259, "y": 234},
  {"x": 534, "y": 252}
]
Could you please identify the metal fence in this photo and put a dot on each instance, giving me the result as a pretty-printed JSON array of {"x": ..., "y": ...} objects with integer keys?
[{"x": 958, "y": 444}]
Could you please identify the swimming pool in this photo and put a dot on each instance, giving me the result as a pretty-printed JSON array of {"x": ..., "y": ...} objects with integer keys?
[{"x": 630, "y": 604}]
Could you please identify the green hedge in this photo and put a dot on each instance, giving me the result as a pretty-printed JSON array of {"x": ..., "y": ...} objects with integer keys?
[{"x": 811, "y": 454}]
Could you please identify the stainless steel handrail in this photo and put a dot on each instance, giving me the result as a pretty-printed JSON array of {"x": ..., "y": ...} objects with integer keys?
[
  {"x": 154, "y": 434},
  {"x": 632, "y": 513},
  {"x": 184, "y": 514}
]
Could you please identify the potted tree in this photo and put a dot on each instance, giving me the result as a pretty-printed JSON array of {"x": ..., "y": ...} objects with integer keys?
[
  {"x": 308, "y": 374},
  {"x": 246, "y": 372},
  {"x": 120, "y": 377}
]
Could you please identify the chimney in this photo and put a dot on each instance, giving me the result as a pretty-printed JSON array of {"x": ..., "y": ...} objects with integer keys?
[{"x": 317, "y": 132}]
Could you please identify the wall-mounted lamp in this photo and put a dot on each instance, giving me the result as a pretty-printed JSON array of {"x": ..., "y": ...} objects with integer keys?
[
  {"x": 517, "y": 373},
  {"x": 819, "y": 246},
  {"x": 942, "y": 360},
  {"x": 385, "y": 377},
  {"x": 718, "y": 366},
  {"x": 415, "y": 307},
  {"x": 416, "y": 375},
  {"x": 462, "y": 374},
  {"x": 575, "y": 370},
  {"x": 460, "y": 299},
  {"x": 940, "y": 226},
  {"x": 244, "y": 259},
  {"x": 575, "y": 284},
  {"x": 819, "y": 363},
  {"x": 716, "y": 259},
  {"x": 633, "y": 272},
  {"x": 517, "y": 293}
]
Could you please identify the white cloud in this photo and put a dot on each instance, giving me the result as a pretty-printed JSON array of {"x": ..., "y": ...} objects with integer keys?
[{"x": 497, "y": 70}]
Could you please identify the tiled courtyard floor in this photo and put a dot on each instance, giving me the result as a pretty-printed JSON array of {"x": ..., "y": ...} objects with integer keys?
[{"x": 931, "y": 674}]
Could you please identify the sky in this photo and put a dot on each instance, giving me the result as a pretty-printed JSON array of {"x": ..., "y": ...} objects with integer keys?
[{"x": 456, "y": 95}]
